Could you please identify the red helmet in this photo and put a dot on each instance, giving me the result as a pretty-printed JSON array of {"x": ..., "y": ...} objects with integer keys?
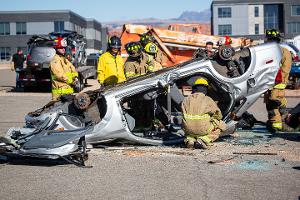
[
  {"x": 228, "y": 40},
  {"x": 60, "y": 43}
]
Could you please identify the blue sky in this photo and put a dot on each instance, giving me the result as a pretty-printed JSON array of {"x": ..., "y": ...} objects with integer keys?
[{"x": 112, "y": 10}]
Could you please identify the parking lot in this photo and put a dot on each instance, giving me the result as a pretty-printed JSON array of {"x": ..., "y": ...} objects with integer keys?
[{"x": 235, "y": 168}]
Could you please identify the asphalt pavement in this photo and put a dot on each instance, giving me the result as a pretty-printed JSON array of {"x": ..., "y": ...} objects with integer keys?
[{"x": 250, "y": 166}]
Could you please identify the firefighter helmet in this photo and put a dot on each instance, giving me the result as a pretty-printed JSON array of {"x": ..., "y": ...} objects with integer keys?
[
  {"x": 146, "y": 38},
  {"x": 114, "y": 42},
  {"x": 151, "y": 48},
  {"x": 273, "y": 35},
  {"x": 134, "y": 49},
  {"x": 201, "y": 81}
]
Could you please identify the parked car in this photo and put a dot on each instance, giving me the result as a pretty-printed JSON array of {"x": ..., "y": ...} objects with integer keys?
[
  {"x": 92, "y": 59},
  {"x": 61, "y": 128}
]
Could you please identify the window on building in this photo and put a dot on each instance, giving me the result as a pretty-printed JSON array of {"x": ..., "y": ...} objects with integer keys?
[
  {"x": 273, "y": 20},
  {"x": 59, "y": 26},
  {"x": 224, "y": 12},
  {"x": 4, "y": 28},
  {"x": 5, "y": 53},
  {"x": 256, "y": 29},
  {"x": 21, "y": 28},
  {"x": 256, "y": 11},
  {"x": 296, "y": 10},
  {"x": 293, "y": 27},
  {"x": 225, "y": 29}
]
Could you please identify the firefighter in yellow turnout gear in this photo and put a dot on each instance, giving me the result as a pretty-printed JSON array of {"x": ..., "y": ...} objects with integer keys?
[
  {"x": 275, "y": 98},
  {"x": 111, "y": 65},
  {"x": 202, "y": 119},
  {"x": 147, "y": 38},
  {"x": 63, "y": 75},
  {"x": 138, "y": 63},
  {"x": 151, "y": 49}
]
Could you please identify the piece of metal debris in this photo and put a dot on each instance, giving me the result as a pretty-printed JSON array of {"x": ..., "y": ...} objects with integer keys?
[{"x": 256, "y": 153}]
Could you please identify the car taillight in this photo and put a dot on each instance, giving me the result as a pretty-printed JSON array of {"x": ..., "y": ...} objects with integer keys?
[
  {"x": 296, "y": 58},
  {"x": 278, "y": 78}
]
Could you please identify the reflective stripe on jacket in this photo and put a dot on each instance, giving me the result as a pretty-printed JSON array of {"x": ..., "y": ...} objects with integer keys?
[
  {"x": 63, "y": 91},
  {"x": 110, "y": 69}
]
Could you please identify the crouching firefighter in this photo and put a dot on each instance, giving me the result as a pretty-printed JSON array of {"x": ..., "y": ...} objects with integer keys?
[
  {"x": 275, "y": 97},
  {"x": 63, "y": 74},
  {"x": 202, "y": 119}
]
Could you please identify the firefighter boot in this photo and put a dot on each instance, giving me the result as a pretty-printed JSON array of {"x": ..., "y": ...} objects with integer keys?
[
  {"x": 203, "y": 142},
  {"x": 189, "y": 142}
]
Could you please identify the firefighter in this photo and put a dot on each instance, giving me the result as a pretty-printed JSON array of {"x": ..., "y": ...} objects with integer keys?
[
  {"x": 202, "y": 119},
  {"x": 147, "y": 38},
  {"x": 151, "y": 49},
  {"x": 63, "y": 74},
  {"x": 111, "y": 65},
  {"x": 137, "y": 63},
  {"x": 275, "y": 97},
  {"x": 206, "y": 53}
]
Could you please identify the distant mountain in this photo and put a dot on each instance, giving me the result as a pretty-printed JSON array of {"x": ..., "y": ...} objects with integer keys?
[
  {"x": 185, "y": 17},
  {"x": 203, "y": 16}
]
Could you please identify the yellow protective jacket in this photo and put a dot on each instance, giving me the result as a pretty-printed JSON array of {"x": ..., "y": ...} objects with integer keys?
[
  {"x": 110, "y": 69},
  {"x": 286, "y": 64},
  {"x": 136, "y": 67},
  {"x": 62, "y": 75},
  {"x": 201, "y": 115}
]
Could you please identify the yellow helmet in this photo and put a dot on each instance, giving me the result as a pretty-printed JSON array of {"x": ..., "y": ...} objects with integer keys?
[
  {"x": 201, "y": 81},
  {"x": 151, "y": 48}
]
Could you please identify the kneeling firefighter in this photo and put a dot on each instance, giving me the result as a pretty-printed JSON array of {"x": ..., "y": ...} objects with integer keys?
[
  {"x": 202, "y": 118},
  {"x": 63, "y": 73}
]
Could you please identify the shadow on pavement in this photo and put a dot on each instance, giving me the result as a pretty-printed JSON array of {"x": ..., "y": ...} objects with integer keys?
[
  {"x": 297, "y": 167},
  {"x": 12, "y": 89},
  {"x": 34, "y": 162}
]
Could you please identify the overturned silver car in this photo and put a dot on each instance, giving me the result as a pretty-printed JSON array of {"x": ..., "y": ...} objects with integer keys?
[{"x": 61, "y": 129}]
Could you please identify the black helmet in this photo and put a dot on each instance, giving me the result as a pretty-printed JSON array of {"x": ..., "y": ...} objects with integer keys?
[
  {"x": 134, "y": 49},
  {"x": 273, "y": 35},
  {"x": 114, "y": 42},
  {"x": 146, "y": 38}
]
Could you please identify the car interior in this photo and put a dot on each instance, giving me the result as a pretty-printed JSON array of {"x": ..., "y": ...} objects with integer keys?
[
  {"x": 233, "y": 64},
  {"x": 157, "y": 114}
]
